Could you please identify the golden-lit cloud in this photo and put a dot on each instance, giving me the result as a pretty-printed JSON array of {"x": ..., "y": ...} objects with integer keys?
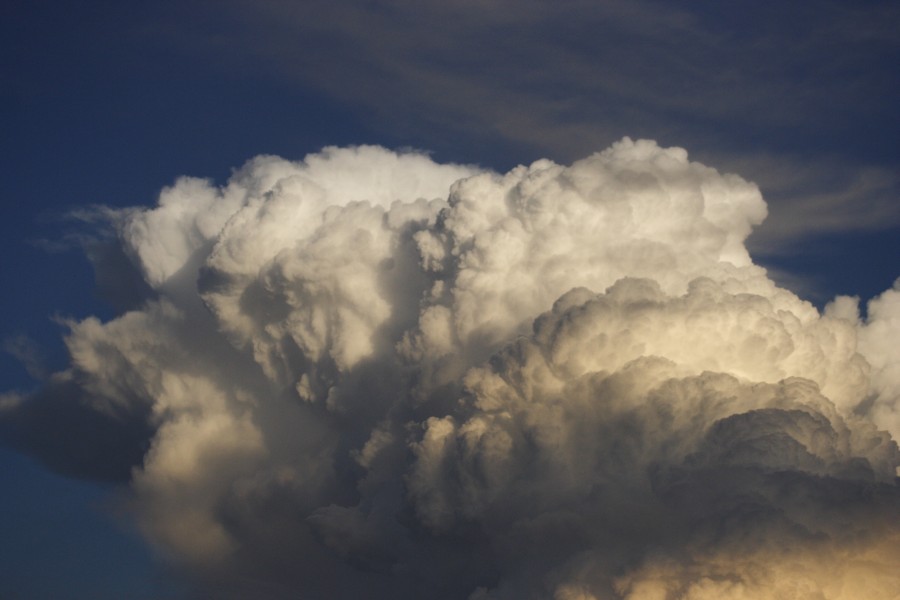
[{"x": 368, "y": 374}]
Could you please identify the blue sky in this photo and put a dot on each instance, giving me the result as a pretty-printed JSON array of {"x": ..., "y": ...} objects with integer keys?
[{"x": 108, "y": 102}]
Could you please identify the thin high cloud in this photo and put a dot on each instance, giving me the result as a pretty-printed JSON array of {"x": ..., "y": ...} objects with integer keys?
[
  {"x": 804, "y": 89},
  {"x": 369, "y": 374},
  {"x": 807, "y": 200}
]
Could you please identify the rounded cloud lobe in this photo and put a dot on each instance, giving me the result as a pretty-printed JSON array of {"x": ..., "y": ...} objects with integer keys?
[{"x": 367, "y": 374}]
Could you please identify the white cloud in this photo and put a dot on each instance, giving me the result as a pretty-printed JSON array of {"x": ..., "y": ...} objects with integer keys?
[
  {"x": 369, "y": 374},
  {"x": 877, "y": 343}
]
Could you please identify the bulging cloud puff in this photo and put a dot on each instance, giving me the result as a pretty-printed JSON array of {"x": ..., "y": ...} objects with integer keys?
[
  {"x": 369, "y": 374},
  {"x": 509, "y": 245},
  {"x": 632, "y": 420},
  {"x": 877, "y": 342}
]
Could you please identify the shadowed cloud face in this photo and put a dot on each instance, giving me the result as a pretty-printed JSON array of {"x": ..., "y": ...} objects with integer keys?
[{"x": 370, "y": 375}]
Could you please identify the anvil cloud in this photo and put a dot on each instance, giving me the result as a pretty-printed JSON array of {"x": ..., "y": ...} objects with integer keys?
[{"x": 369, "y": 375}]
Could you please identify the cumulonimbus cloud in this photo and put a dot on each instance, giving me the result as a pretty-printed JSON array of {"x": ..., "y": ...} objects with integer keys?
[{"x": 369, "y": 375}]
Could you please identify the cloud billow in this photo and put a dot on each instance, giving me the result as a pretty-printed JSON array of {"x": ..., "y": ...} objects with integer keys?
[{"x": 367, "y": 374}]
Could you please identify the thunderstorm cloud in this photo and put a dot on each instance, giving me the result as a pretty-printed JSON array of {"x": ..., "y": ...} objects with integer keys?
[{"x": 366, "y": 374}]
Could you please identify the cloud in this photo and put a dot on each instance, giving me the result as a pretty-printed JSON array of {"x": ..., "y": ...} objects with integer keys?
[
  {"x": 369, "y": 374},
  {"x": 805, "y": 112},
  {"x": 562, "y": 80},
  {"x": 28, "y": 353},
  {"x": 807, "y": 200},
  {"x": 877, "y": 345}
]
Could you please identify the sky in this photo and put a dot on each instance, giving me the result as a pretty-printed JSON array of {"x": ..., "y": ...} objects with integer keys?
[{"x": 108, "y": 106}]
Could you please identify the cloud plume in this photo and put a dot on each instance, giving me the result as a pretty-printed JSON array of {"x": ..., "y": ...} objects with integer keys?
[{"x": 366, "y": 374}]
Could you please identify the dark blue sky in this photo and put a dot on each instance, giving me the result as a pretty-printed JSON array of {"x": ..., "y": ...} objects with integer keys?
[{"x": 107, "y": 102}]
